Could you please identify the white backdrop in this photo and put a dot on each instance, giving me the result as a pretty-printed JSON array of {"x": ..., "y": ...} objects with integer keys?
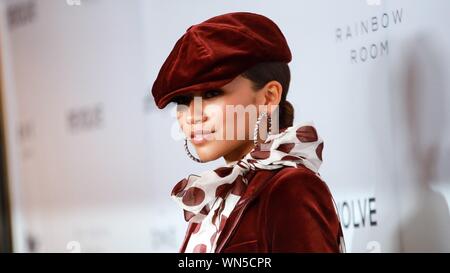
[{"x": 92, "y": 160}]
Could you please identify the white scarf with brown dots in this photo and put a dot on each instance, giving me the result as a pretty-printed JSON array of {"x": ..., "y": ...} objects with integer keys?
[{"x": 209, "y": 198}]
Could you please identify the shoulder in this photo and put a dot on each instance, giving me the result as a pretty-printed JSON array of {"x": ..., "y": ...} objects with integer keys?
[
  {"x": 294, "y": 191},
  {"x": 298, "y": 213},
  {"x": 291, "y": 181}
]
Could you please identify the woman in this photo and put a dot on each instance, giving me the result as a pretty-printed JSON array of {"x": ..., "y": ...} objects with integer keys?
[{"x": 229, "y": 76}]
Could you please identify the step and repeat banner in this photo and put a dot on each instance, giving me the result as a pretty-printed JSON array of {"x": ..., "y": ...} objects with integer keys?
[{"x": 92, "y": 161}]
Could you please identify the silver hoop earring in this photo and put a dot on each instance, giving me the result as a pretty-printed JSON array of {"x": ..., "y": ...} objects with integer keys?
[
  {"x": 186, "y": 148},
  {"x": 258, "y": 122}
]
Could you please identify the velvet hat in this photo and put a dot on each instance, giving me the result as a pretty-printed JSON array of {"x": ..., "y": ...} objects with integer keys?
[{"x": 212, "y": 53}]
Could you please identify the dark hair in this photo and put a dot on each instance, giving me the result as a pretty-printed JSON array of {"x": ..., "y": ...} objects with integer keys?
[{"x": 263, "y": 73}]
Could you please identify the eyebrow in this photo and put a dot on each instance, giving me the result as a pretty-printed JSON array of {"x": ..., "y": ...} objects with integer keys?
[{"x": 216, "y": 89}]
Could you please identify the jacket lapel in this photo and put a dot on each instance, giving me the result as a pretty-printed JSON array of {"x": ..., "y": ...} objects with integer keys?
[
  {"x": 258, "y": 180},
  {"x": 189, "y": 231}
]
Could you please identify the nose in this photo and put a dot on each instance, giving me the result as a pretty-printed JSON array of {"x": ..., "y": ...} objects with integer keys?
[
  {"x": 194, "y": 119},
  {"x": 195, "y": 114}
]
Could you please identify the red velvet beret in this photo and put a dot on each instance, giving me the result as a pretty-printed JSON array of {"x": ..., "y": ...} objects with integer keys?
[{"x": 214, "y": 52}]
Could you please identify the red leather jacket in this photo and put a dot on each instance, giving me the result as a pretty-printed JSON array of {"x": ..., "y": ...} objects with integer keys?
[{"x": 284, "y": 210}]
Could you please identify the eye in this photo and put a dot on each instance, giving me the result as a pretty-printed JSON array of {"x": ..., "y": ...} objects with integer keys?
[
  {"x": 212, "y": 93},
  {"x": 184, "y": 100}
]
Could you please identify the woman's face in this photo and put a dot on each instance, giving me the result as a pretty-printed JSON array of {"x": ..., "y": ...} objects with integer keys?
[{"x": 217, "y": 122}]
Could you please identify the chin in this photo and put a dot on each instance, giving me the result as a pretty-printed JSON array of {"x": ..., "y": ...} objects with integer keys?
[
  {"x": 206, "y": 157},
  {"x": 209, "y": 152}
]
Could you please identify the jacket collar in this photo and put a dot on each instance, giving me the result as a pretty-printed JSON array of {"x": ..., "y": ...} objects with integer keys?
[{"x": 258, "y": 180}]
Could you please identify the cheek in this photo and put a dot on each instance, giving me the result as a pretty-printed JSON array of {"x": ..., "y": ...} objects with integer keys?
[
  {"x": 214, "y": 113},
  {"x": 243, "y": 96},
  {"x": 237, "y": 122}
]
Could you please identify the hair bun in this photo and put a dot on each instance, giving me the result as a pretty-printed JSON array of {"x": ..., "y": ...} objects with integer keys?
[{"x": 286, "y": 114}]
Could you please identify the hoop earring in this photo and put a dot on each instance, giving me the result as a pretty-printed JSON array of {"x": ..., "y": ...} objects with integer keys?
[
  {"x": 186, "y": 148},
  {"x": 258, "y": 122}
]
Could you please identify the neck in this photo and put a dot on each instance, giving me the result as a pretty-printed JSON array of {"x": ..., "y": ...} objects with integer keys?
[{"x": 238, "y": 153}]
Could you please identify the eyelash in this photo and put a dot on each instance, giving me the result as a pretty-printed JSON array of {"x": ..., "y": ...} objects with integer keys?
[
  {"x": 215, "y": 93},
  {"x": 185, "y": 100}
]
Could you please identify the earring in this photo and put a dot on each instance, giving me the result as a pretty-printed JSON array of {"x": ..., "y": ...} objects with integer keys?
[
  {"x": 256, "y": 130},
  {"x": 186, "y": 148}
]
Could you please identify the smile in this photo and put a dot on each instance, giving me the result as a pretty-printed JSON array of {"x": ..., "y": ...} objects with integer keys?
[{"x": 201, "y": 136}]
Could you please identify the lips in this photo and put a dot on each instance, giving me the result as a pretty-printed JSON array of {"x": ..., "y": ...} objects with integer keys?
[{"x": 201, "y": 136}]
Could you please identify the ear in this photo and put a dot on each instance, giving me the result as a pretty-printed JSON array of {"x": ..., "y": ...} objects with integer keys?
[{"x": 272, "y": 95}]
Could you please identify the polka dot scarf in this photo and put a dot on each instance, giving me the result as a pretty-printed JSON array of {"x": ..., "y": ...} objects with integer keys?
[{"x": 209, "y": 198}]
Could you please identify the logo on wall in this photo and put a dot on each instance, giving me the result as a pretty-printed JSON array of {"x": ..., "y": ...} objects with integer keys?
[
  {"x": 358, "y": 213},
  {"x": 363, "y": 29},
  {"x": 373, "y": 2},
  {"x": 26, "y": 134},
  {"x": 26, "y": 131},
  {"x": 85, "y": 118},
  {"x": 73, "y": 2},
  {"x": 20, "y": 14}
]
